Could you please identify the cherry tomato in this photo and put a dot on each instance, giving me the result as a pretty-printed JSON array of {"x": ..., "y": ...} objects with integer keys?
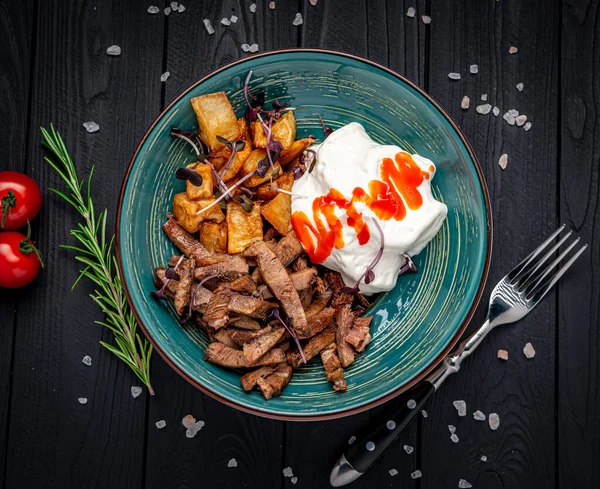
[
  {"x": 20, "y": 199},
  {"x": 20, "y": 260}
]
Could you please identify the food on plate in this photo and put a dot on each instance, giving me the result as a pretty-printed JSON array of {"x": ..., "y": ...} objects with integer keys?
[
  {"x": 20, "y": 260},
  {"x": 278, "y": 240},
  {"x": 20, "y": 200}
]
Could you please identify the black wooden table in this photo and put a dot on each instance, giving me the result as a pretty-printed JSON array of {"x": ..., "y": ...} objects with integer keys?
[{"x": 54, "y": 68}]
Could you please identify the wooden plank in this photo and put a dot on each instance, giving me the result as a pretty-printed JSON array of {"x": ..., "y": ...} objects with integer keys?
[
  {"x": 579, "y": 342},
  {"x": 521, "y": 453},
  {"x": 173, "y": 460},
  {"x": 52, "y": 437}
]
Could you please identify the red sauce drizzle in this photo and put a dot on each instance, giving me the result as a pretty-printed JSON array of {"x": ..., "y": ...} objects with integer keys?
[{"x": 387, "y": 199}]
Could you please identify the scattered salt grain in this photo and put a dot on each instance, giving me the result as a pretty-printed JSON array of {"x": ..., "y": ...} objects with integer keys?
[
  {"x": 233, "y": 19},
  {"x": 503, "y": 161},
  {"x": 393, "y": 472},
  {"x": 520, "y": 120},
  {"x": 424, "y": 413},
  {"x": 161, "y": 424},
  {"x": 496, "y": 111},
  {"x": 520, "y": 87},
  {"x": 513, "y": 112},
  {"x": 181, "y": 9},
  {"x": 297, "y": 19},
  {"x": 461, "y": 407},
  {"x": 474, "y": 69},
  {"x": 465, "y": 102},
  {"x": 463, "y": 484},
  {"x": 484, "y": 96},
  {"x": 113, "y": 50},
  {"x": 483, "y": 109},
  {"x": 451, "y": 429},
  {"x": 479, "y": 416},
  {"x": 167, "y": 11},
  {"x": 529, "y": 351},
  {"x": 82, "y": 400},
  {"x": 509, "y": 118},
  {"x": 272, "y": 5},
  {"x": 153, "y": 9},
  {"x": 245, "y": 47},
  {"x": 454, "y": 76},
  {"x": 502, "y": 354},
  {"x": 225, "y": 21},
  {"x": 426, "y": 19},
  {"x": 527, "y": 126},
  {"x": 208, "y": 26},
  {"x": 351, "y": 440},
  {"x": 253, "y": 48},
  {"x": 87, "y": 360},
  {"x": 194, "y": 428},
  {"x": 91, "y": 126},
  {"x": 483, "y": 458},
  {"x": 411, "y": 12},
  {"x": 513, "y": 50},
  {"x": 174, "y": 6},
  {"x": 313, "y": 2},
  {"x": 417, "y": 474},
  {"x": 454, "y": 438},
  {"x": 188, "y": 420},
  {"x": 408, "y": 449},
  {"x": 411, "y": 404},
  {"x": 253, "y": 7},
  {"x": 135, "y": 391},
  {"x": 165, "y": 76},
  {"x": 494, "y": 421},
  {"x": 294, "y": 479},
  {"x": 232, "y": 463},
  {"x": 287, "y": 472}
]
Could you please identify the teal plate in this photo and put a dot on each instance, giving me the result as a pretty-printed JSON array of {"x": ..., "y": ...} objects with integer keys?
[{"x": 415, "y": 324}]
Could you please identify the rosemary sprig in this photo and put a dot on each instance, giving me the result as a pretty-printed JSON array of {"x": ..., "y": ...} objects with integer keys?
[{"x": 95, "y": 252}]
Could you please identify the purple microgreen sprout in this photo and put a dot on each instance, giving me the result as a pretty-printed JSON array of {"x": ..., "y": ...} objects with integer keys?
[
  {"x": 274, "y": 315},
  {"x": 308, "y": 158},
  {"x": 247, "y": 191},
  {"x": 298, "y": 172},
  {"x": 227, "y": 192},
  {"x": 254, "y": 105},
  {"x": 326, "y": 130},
  {"x": 190, "y": 175},
  {"x": 368, "y": 274},
  {"x": 172, "y": 274},
  {"x": 409, "y": 265},
  {"x": 246, "y": 203},
  {"x": 192, "y": 306},
  {"x": 160, "y": 294},
  {"x": 259, "y": 291},
  {"x": 273, "y": 186},
  {"x": 187, "y": 137},
  {"x": 234, "y": 146}
]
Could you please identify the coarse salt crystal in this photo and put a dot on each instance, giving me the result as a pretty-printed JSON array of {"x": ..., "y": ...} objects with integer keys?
[
  {"x": 465, "y": 102},
  {"x": 513, "y": 112},
  {"x": 484, "y": 96},
  {"x": 294, "y": 479},
  {"x": 287, "y": 472},
  {"x": 313, "y": 2},
  {"x": 483, "y": 458},
  {"x": 272, "y": 5},
  {"x": 87, "y": 360},
  {"x": 454, "y": 438},
  {"x": 520, "y": 87},
  {"x": 252, "y": 7},
  {"x": 393, "y": 472},
  {"x": 513, "y": 50},
  {"x": 194, "y": 428},
  {"x": 461, "y": 407},
  {"x": 225, "y": 21},
  {"x": 208, "y": 26},
  {"x": 153, "y": 9},
  {"x": 82, "y": 400},
  {"x": 452, "y": 429},
  {"x": 167, "y": 10},
  {"x": 454, "y": 76},
  {"x": 463, "y": 484},
  {"x": 502, "y": 354},
  {"x": 424, "y": 413},
  {"x": 411, "y": 404},
  {"x": 232, "y": 463},
  {"x": 135, "y": 391},
  {"x": 411, "y": 12},
  {"x": 233, "y": 19},
  {"x": 527, "y": 126},
  {"x": 426, "y": 19},
  {"x": 297, "y": 19},
  {"x": 479, "y": 416},
  {"x": 351, "y": 440},
  {"x": 253, "y": 48},
  {"x": 181, "y": 9},
  {"x": 245, "y": 47},
  {"x": 91, "y": 126},
  {"x": 174, "y": 6},
  {"x": 496, "y": 111},
  {"x": 474, "y": 69},
  {"x": 503, "y": 161},
  {"x": 188, "y": 420},
  {"x": 494, "y": 421},
  {"x": 408, "y": 449},
  {"x": 113, "y": 50},
  {"x": 416, "y": 474},
  {"x": 483, "y": 109},
  {"x": 161, "y": 424},
  {"x": 529, "y": 351},
  {"x": 165, "y": 76},
  {"x": 509, "y": 118},
  {"x": 520, "y": 120}
]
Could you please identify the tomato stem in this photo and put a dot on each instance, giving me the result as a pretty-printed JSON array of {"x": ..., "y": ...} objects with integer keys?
[
  {"x": 8, "y": 202},
  {"x": 26, "y": 246}
]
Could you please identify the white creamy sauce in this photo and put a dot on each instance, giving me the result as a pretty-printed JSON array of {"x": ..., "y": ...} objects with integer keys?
[{"x": 347, "y": 159}]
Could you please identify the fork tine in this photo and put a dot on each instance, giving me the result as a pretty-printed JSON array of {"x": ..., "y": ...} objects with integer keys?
[
  {"x": 526, "y": 277},
  {"x": 539, "y": 293},
  {"x": 515, "y": 272}
]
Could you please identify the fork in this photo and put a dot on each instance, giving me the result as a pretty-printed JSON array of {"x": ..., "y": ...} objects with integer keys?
[{"x": 513, "y": 298}]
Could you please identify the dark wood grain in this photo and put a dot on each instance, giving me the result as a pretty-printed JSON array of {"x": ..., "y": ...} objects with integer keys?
[
  {"x": 521, "y": 452},
  {"x": 578, "y": 337},
  {"x": 54, "y": 441}
]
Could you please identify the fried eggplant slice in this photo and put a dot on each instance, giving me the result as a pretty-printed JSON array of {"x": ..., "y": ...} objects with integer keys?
[
  {"x": 318, "y": 322},
  {"x": 333, "y": 368},
  {"x": 242, "y": 336},
  {"x": 320, "y": 302},
  {"x": 250, "y": 379},
  {"x": 301, "y": 280},
  {"x": 220, "y": 354},
  {"x": 259, "y": 346},
  {"x": 287, "y": 250},
  {"x": 223, "y": 336},
  {"x": 359, "y": 335},
  {"x": 273, "y": 384},
  {"x": 217, "y": 309},
  {"x": 244, "y": 285},
  {"x": 344, "y": 319},
  {"x": 184, "y": 285},
  {"x": 313, "y": 347},
  {"x": 184, "y": 242},
  {"x": 250, "y": 306},
  {"x": 244, "y": 322},
  {"x": 228, "y": 270}
]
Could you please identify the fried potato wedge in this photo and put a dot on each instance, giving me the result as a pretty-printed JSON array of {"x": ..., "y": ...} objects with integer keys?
[
  {"x": 294, "y": 151},
  {"x": 213, "y": 236},
  {"x": 283, "y": 130},
  {"x": 251, "y": 164},
  {"x": 215, "y": 118},
  {"x": 243, "y": 228},
  {"x": 186, "y": 211},
  {"x": 266, "y": 191},
  {"x": 278, "y": 211},
  {"x": 204, "y": 191}
]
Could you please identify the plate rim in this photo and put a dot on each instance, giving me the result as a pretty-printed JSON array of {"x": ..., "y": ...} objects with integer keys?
[{"x": 398, "y": 390}]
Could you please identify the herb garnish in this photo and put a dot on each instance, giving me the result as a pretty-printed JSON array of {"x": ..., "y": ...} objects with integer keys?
[
  {"x": 287, "y": 324},
  {"x": 170, "y": 274},
  {"x": 189, "y": 174},
  {"x": 95, "y": 252},
  {"x": 326, "y": 130},
  {"x": 8, "y": 202}
]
